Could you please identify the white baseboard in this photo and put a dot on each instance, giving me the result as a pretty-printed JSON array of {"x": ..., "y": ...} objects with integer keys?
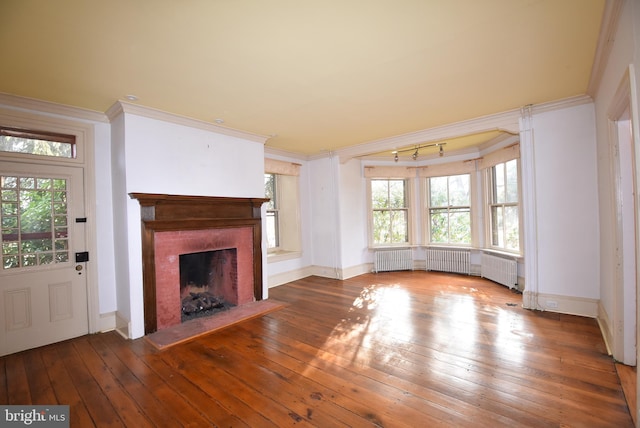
[
  {"x": 561, "y": 304},
  {"x": 289, "y": 276},
  {"x": 605, "y": 327},
  {"x": 107, "y": 322},
  {"x": 123, "y": 326}
]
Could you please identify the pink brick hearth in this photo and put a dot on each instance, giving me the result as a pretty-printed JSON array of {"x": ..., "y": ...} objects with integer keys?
[{"x": 170, "y": 245}]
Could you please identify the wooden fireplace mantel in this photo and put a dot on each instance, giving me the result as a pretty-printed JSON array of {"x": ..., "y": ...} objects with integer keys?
[{"x": 162, "y": 212}]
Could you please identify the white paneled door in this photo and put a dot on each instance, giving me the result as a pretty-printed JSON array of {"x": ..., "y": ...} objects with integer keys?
[{"x": 43, "y": 286}]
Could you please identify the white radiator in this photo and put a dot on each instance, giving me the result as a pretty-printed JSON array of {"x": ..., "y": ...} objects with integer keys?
[
  {"x": 455, "y": 261},
  {"x": 498, "y": 269},
  {"x": 389, "y": 260}
]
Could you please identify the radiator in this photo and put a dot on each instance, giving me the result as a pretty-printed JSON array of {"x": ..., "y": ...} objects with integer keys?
[
  {"x": 389, "y": 260},
  {"x": 455, "y": 261},
  {"x": 498, "y": 269}
]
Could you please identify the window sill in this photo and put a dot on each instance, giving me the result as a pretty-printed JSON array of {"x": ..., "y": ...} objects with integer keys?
[
  {"x": 282, "y": 255},
  {"x": 517, "y": 256}
]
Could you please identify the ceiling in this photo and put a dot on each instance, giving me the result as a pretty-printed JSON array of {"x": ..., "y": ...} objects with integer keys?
[{"x": 314, "y": 76}]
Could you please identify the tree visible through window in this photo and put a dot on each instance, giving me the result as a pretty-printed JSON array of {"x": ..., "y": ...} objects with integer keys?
[
  {"x": 270, "y": 191},
  {"x": 37, "y": 143},
  {"x": 450, "y": 209},
  {"x": 33, "y": 213},
  {"x": 503, "y": 206},
  {"x": 390, "y": 211}
]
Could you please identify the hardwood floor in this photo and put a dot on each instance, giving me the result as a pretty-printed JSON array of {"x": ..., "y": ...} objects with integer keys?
[{"x": 401, "y": 349}]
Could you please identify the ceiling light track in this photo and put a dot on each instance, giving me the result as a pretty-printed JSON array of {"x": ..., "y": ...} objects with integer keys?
[{"x": 416, "y": 149}]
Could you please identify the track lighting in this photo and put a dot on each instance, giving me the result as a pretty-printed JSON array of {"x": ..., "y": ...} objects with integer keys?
[{"x": 415, "y": 150}]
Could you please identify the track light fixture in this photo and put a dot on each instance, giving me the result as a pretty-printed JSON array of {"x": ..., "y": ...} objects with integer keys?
[{"x": 415, "y": 150}]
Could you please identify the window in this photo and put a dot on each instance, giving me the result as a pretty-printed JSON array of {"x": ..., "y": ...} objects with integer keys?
[
  {"x": 33, "y": 213},
  {"x": 503, "y": 206},
  {"x": 37, "y": 143},
  {"x": 273, "y": 226},
  {"x": 390, "y": 208},
  {"x": 282, "y": 219},
  {"x": 449, "y": 206}
]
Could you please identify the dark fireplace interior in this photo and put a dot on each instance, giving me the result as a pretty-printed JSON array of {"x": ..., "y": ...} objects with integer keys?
[{"x": 208, "y": 282}]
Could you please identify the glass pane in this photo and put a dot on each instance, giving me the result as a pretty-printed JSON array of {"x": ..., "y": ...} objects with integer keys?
[
  {"x": 9, "y": 262},
  {"x": 270, "y": 190},
  {"x": 439, "y": 227},
  {"x": 9, "y": 195},
  {"x": 381, "y": 227},
  {"x": 397, "y": 194},
  {"x": 9, "y": 248},
  {"x": 498, "y": 184},
  {"x": 459, "y": 190},
  {"x": 45, "y": 258},
  {"x": 512, "y": 181},
  {"x": 59, "y": 184},
  {"x": 497, "y": 238},
  {"x": 272, "y": 229},
  {"x": 380, "y": 194},
  {"x": 27, "y": 183},
  {"x": 9, "y": 209},
  {"x": 438, "y": 192},
  {"x": 511, "y": 228},
  {"x": 35, "y": 146},
  {"x": 8, "y": 182},
  {"x": 29, "y": 225},
  {"x": 399, "y": 233},
  {"x": 460, "y": 227},
  {"x": 62, "y": 257}
]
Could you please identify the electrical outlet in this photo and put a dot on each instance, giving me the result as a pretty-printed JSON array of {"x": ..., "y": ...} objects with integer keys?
[{"x": 552, "y": 304}]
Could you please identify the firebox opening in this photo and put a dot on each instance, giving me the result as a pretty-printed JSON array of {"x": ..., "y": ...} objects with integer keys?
[{"x": 208, "y": 282}]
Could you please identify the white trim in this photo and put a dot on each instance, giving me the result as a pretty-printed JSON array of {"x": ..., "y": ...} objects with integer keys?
[
  {"x": 123, "y": 107},
  {"x": 107, "y": 322},
  {"x": 528, "y": 207},
  {"x": 32, "y": 104},
  {"x": 84, "y": 133},
  {"x": 569, "y": 305},
  {"x": 606, "y": 39}
]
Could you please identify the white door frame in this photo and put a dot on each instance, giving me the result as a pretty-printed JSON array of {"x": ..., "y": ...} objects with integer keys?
[{"x": 84, "y": 133}]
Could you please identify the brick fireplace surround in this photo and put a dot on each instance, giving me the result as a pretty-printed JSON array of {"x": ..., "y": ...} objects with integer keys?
[{"x": 174, "y": 225}]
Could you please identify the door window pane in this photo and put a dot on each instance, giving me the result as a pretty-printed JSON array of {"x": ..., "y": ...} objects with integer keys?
[{"x": 33, "y": 218}]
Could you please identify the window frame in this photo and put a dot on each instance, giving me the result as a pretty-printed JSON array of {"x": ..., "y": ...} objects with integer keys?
[
  {"x": 407, "y": 209},
  {"x": 491, "y": 203},
  {"x": 427, "y": 212},
  {"x": 287, "y": 194},
  {"x": 274, "y": 212}
]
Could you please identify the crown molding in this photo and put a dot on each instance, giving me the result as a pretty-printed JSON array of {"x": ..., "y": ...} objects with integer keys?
[
  {"x": 32, "y": 104},
  {"x": 284, "y": 153},
  {"x": 606, "y": 38},
  {"x": 122, "y": 107},
  {"x": 561, "y": 104}
]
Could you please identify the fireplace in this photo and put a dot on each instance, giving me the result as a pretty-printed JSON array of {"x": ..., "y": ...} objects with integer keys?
[
  {"x": 221, "y": 235},
  {"x": 208, "y": 282}
]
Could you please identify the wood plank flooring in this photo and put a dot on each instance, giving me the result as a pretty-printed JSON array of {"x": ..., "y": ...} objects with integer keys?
[{"x": 402, "y": 349}]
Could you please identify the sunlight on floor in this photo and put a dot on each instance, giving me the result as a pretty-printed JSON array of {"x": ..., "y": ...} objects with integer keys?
[{"x": 380, "y": 327}]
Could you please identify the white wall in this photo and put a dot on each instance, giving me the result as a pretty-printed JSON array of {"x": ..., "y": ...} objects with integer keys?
[
  {"x": 325, "y": 234},
  {"x": 567, "y": 203},
  {"x": 164, "y": 157},
  {"x": 353, "y": 217}
]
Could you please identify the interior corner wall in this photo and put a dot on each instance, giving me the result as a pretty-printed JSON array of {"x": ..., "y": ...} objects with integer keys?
[
  {"x": 566, "y": 202},
  {"x": 154, "y": 156}
]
